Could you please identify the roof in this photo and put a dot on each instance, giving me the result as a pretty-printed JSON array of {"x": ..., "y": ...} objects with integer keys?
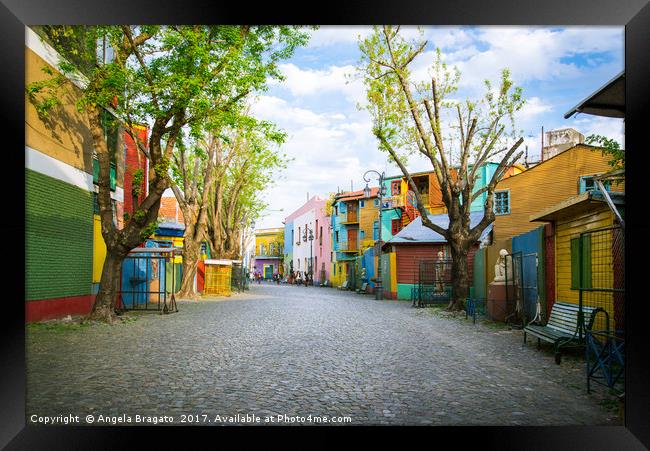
[
  {"x": 575, "y": 205},
  {"x": 156, "y": 250},
  {"x": 171, "y": 225},
  {"x": 415, "y": 232},
  {"x": 269, "y": 231},
  {"x": 218, "y": 262},
  {"x": 608, "y": 101},
  {"x": 355, "y": 195}
]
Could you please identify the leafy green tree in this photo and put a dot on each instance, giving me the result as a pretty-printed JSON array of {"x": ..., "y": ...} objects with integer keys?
[
  {"x": 610, "y": 147},
  {"x": 170, "y": 77},
  {"x": 457, "y": 137},
  {"x": 256, "y": 165},
  {"x": 201, "y": 166}
]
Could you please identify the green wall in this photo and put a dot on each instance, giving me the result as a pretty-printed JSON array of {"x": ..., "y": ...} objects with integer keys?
[{"x": 58, "y": 238}]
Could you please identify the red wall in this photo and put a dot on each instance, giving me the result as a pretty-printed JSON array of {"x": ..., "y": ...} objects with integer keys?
[
  {"x": 408, "y": 258},
  {"x": 58, "y": 308},
  {"x": 132, "y": 165},
  {"x": 549, "y": 266}
]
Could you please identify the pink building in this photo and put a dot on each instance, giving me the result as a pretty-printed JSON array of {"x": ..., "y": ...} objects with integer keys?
[{"x": 301, "y": 253}]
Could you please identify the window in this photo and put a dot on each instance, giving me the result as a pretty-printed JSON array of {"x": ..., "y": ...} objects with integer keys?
[
  {"x": 336, "y": 236},
  {"x": 375, "y": 230},
  {"x": 576, "y": 267},
  {"x": 316, "y": 229},
  {"x": 261, "y": 249},
  {"x": 342, "y": 208},
  {"x": 271, "y": 248},
  {"x": 396, "y": 187},
  {"x": 376, "y": 202},
  {"x": 362, "y": 234},
  {"x": 336, "y": 210},
  {"x": 502, "y": 202},
  {"x": 588, "y": 183},
  {"x": 362, "y": 203},
  {"x": 298, "y": 242},
  {"x": 320, "y": 236},
  {"x": 396, "y": 226}
]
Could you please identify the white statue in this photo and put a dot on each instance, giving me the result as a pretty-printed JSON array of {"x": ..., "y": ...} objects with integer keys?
[
  {"x": 439, "y": 273},
  {"x": 500, "y": 267}
]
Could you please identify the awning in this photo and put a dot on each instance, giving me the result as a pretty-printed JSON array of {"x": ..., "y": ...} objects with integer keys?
[
  {"x": 586, "y": 202},
  {"x": 608, "y": 101}
]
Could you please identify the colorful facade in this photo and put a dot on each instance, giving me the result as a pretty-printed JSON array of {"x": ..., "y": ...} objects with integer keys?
[
  {"x": 301, "y": 254},
  {"x": 399, "y": 204},
  {"x": 566, "y": 174},
  {"x": 269, "y": 245},
  {"x": 355, "y": 229},
  {"x": 586, "y": 234},
  {"x": 63, "y": 250},
  {"x": 416, "y": 243}
]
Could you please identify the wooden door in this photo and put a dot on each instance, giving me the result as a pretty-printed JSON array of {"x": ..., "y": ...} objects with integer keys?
[{"x": 352, "y": 239}]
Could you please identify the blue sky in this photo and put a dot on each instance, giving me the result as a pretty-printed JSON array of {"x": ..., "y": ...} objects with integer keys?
[{"x": 330, "y": 140}]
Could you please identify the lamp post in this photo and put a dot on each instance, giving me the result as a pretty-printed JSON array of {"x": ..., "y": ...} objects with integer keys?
[
  {"x": 244, "y": 267},
  {"x": 379, "y": 289},
  {"x": 311, "y": 253}
]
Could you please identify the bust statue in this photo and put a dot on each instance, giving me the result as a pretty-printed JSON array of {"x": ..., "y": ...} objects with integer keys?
[{"x": 500, "y": 268}]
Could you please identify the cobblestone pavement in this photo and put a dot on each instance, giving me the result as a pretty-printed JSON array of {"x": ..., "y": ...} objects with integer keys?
[{"x": 296, "y": 351}]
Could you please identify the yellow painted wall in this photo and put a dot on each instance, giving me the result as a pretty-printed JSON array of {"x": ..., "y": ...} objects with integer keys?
[
  {"x": 65, "y": 134},
  {"x": 545, "y": 185},
  {"x": 267, "y": 239},
  {"x": 367, "y": 216},
  {"x": 99, "y": 249},
  {"x": 339, "y": 278},
  {"x": 565, "y": 231},
  {"x": 393, "y": 272}
]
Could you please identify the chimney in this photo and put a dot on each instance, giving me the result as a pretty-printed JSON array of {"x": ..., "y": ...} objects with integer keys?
[{"x": 557, "y": 141}]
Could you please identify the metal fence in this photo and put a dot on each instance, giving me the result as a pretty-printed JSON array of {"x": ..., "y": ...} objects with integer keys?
[
  {"x": 145, "y": 280},
  {"x": 598, "y": 273},
  {"x": 434, "y": 283}
]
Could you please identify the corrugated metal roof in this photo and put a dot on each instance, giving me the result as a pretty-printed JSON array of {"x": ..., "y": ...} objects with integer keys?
[
  {"x": 172, "y": 225},
  {"x": 415, "y": 232}
]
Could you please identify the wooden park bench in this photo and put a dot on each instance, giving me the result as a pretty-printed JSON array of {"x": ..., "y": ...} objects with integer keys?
[
  {"x": 344, "y": 286},
  {"x": 363, "y": 288},
  {"x": 561, "y": 329}
]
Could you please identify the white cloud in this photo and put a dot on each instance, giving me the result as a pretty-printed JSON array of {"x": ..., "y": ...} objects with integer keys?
[
  {"x": 310, "y": 82},
  {"x": 337, "y": 34}
]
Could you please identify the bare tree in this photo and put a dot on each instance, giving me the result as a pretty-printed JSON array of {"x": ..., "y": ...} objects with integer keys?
[{"x": 414, "y": 118}]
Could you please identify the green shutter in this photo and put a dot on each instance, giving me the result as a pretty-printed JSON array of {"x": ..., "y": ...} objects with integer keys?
[
  {"x": 586, "y": 261},
  {"x": 575, "y": 264}
]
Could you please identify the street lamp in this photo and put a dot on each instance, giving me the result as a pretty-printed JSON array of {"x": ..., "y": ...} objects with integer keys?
[
  {"x": 244, "y": 266},
  {"x": 311, "y": 254},
  {"x": 379, "y": 289}
]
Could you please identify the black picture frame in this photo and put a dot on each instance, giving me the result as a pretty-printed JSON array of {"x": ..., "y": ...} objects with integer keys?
[{"x": 633, "y": 14}]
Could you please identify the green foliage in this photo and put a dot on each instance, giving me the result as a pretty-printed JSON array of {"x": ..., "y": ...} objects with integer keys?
[
  {"x": 150, "y": 229},
  {"x": 610, "y": 147},
  {"x": 136, "y": 184},
  {"x": 384, "y": 68}
]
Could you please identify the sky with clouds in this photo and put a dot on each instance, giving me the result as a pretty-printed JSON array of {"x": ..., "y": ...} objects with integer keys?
[{"x": 330, "y": 142}]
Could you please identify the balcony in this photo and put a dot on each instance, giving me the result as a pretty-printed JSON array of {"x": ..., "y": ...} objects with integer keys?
[
  {"x": 347, "y": 246},
  {"x": 351, "y": 217}
]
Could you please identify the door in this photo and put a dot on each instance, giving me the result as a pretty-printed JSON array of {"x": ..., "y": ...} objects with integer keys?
[
  {"x": 352, "y": 212},
  {"x": 352, "y": 239},
  {"x": 268, "y": 271},
  {"x": 530, "y": 264}
]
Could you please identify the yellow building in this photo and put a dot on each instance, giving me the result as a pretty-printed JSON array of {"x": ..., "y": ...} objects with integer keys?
[
  {"x": 269, "y": 251},
  {"x": 566, "y": 174},
  {"x": 589, "y": 259}
]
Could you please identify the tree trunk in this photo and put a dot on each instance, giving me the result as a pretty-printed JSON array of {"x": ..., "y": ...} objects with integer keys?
[
  {"x": 460, "y": 275},
  {"x": 105, "y": 302},
  {"x": 191, "y": 254}
]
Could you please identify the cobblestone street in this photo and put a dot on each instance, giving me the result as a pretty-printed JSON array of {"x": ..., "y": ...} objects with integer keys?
[{"x": 299, "y": 351}]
